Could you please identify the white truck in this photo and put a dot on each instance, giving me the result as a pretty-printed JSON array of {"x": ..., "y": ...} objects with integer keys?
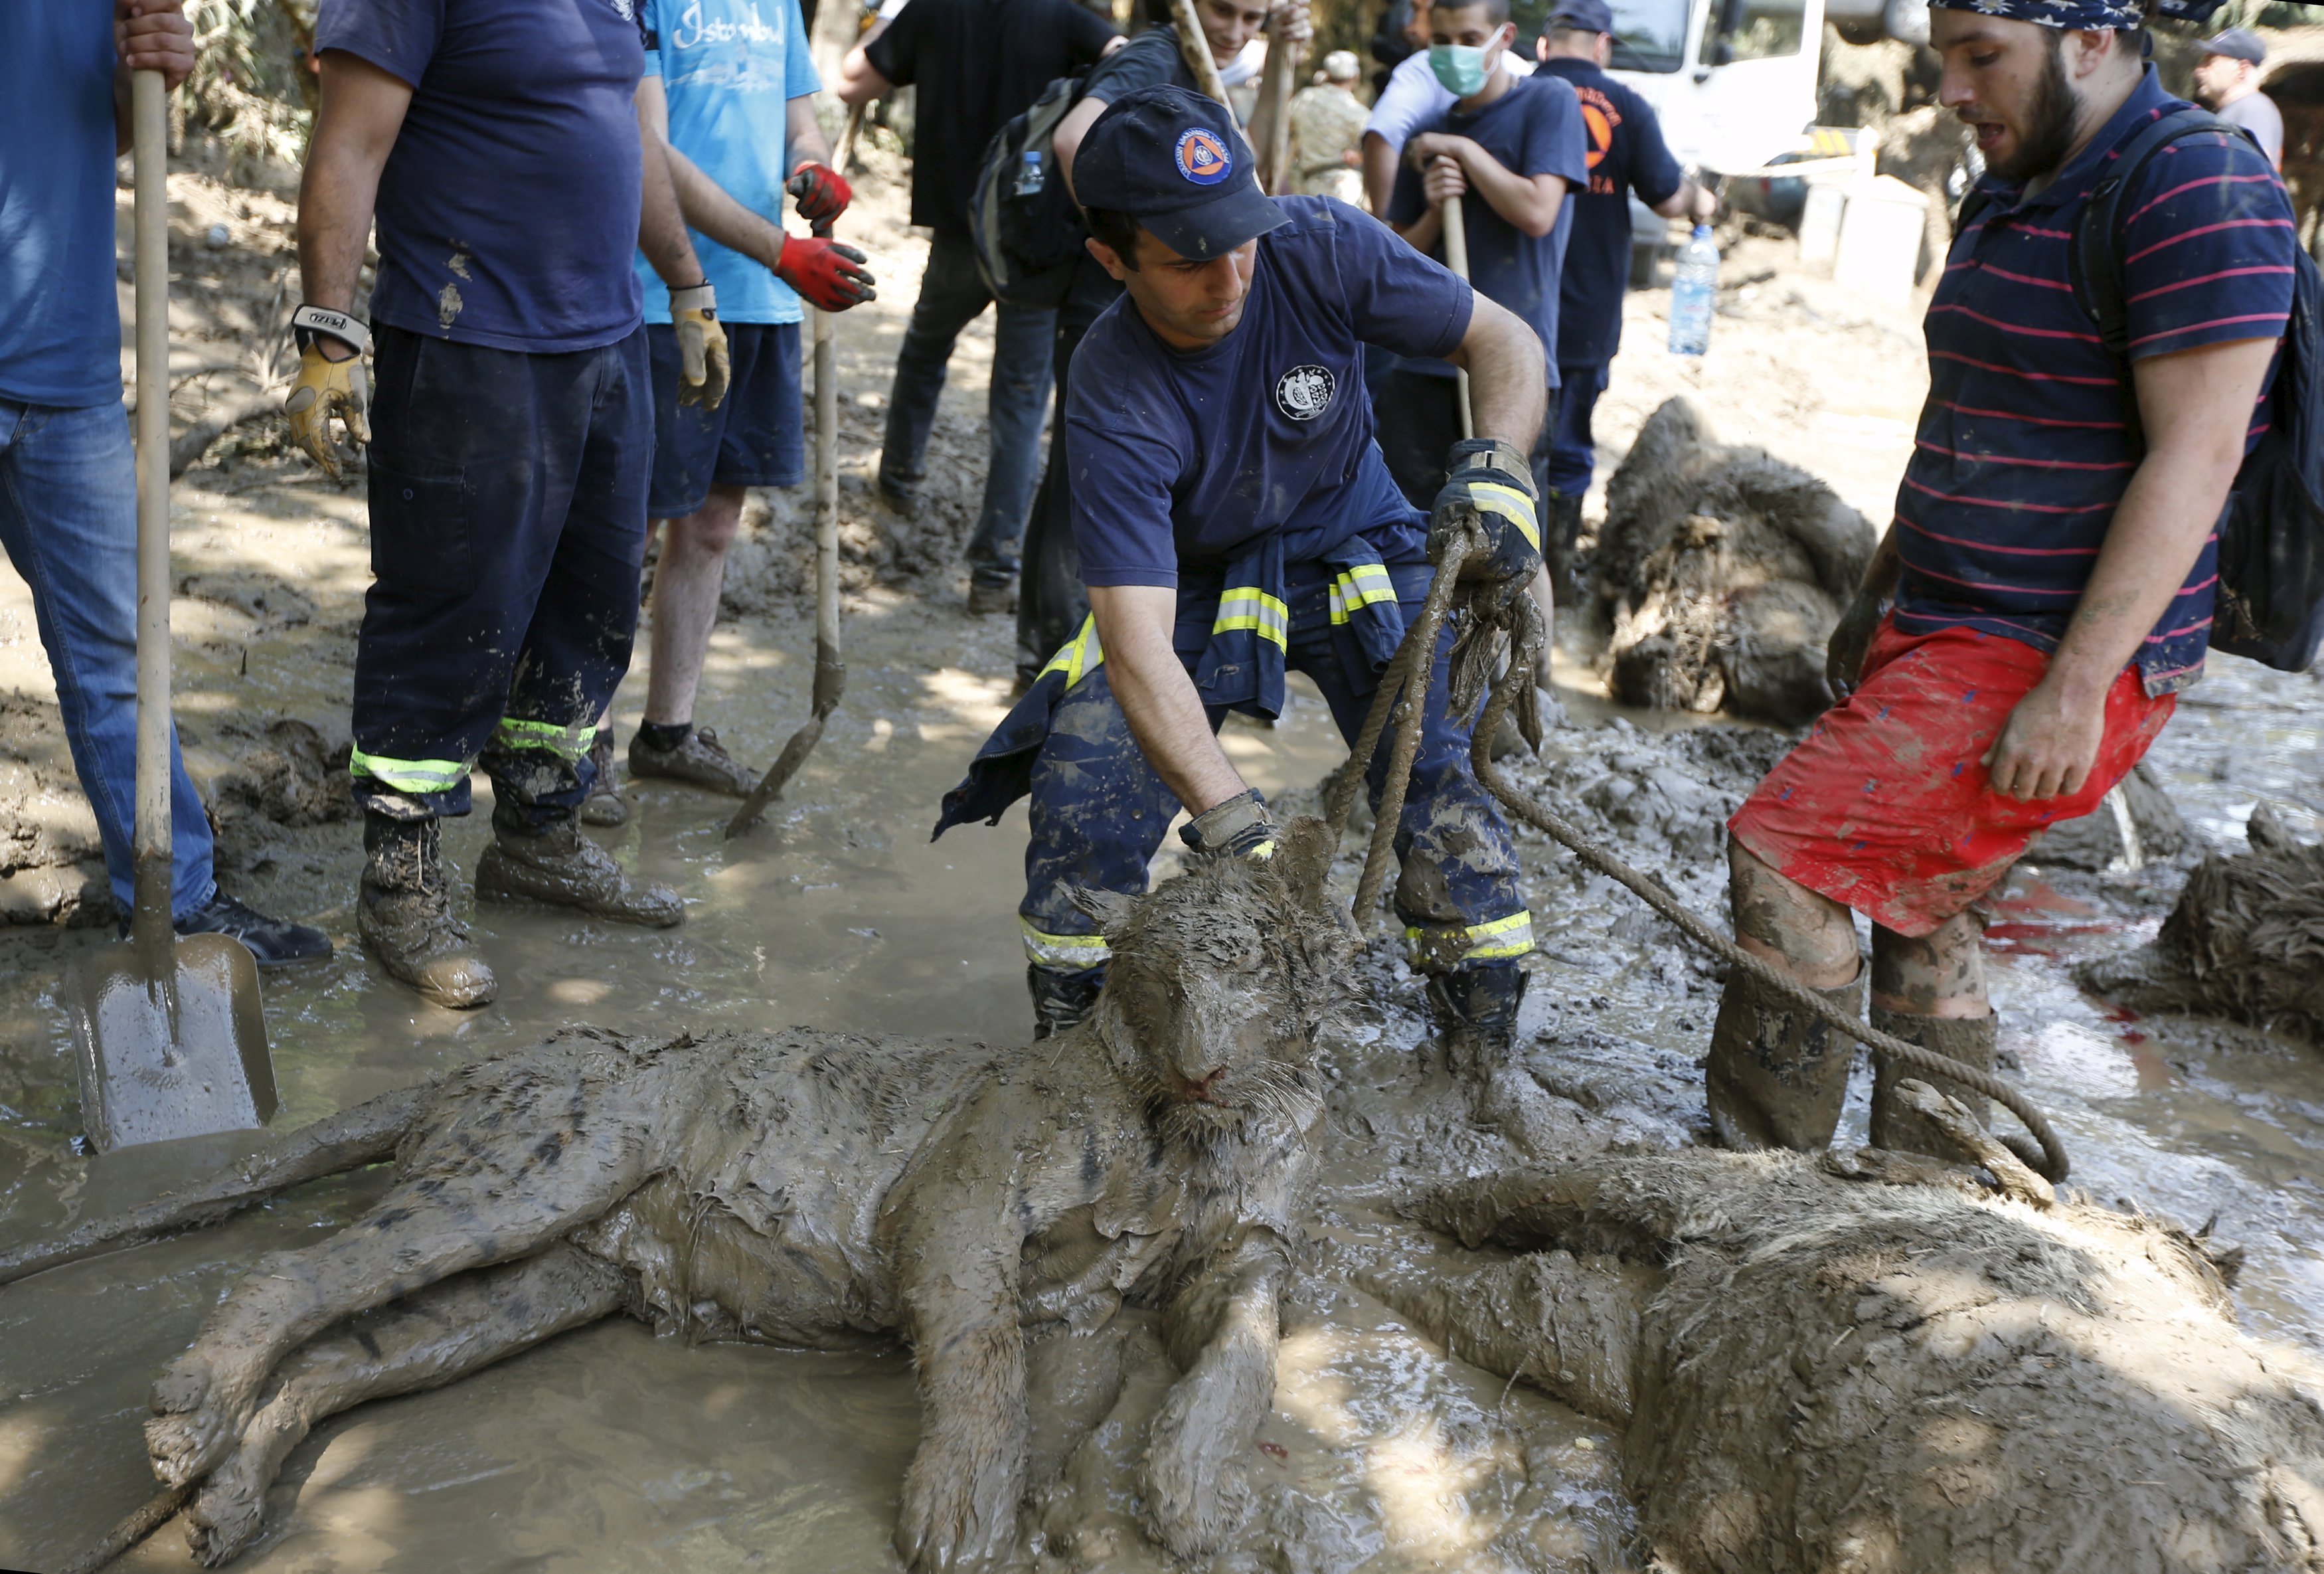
[{"x": 1733, "y": 81}]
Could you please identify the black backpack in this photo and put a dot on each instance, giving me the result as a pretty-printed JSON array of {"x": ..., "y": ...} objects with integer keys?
[
  {"x": 2271, "y": 595},
  {"x": 1026, "y": 239}
]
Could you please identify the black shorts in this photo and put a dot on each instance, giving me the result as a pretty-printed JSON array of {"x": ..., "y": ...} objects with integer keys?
[{"x": 755, "y": 438}]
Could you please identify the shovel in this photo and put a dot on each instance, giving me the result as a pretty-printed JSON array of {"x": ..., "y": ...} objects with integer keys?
[
  {"x": 172, "y": 1037},
  {"x": 830, "y": 669}
]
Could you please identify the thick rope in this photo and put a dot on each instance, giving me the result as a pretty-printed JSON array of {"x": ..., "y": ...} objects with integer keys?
[
  {"x": 1416, "y": 656},
  {"x": 2050, "y": 1162}
]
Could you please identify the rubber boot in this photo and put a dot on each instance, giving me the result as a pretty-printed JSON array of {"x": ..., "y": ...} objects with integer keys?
[
  {"x": 404, "y": 915},
  {"x": 1967, "y": 1039},
  {"x": 1777, "y": 1076},
  {"x": 1561, "y": 527},
  {"x": 1475, "y": 1013},
  {"x": 1062, "y": 999},
  {"x": 556, "y": 864}
]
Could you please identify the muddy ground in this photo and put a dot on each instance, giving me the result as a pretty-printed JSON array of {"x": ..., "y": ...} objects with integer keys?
[{"x": 611, "y": 1449}]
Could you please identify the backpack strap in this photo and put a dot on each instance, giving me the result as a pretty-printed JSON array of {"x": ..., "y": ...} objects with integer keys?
[{"x": 2094, "y": 260}]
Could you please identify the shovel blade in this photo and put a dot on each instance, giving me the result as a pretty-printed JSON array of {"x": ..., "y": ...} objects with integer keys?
[{"x": 178, "y": 1055}]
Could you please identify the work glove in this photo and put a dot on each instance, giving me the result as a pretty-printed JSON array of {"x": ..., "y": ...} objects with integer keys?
[
  {"x": 1240, "y": 828},
  {"x": 830, "y": 277},
  {"x": 704, "y": 367},
  {"x": 325, "y": 388},
  {"x": 821, "y": 192},
  {"x": 1489, "y": 487}
]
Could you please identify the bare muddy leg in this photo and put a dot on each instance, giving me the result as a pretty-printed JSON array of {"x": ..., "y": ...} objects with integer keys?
[
  {"x": 1938, "y": 974},
  {"x": 442, "y": 1333},
  {"x": 424, "y": 1230},
  {"x": 1222, "y": 1331}
]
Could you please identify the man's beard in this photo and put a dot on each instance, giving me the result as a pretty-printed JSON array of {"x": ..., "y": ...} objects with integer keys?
[{"x": 2050, "y": 121}]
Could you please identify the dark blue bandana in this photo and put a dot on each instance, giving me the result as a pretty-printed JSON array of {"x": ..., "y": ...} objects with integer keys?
[{"x": 2073, "y": 16}]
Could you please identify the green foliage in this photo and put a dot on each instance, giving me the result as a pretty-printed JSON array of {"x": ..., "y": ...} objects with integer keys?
[{"x": 249, "y": 91}]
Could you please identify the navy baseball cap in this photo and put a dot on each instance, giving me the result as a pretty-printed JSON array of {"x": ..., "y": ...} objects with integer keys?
[
  {"x": 1172, "y": 160},
  {"x": 1584, "y": 17},
  {"x": 2237, "y": 44}
]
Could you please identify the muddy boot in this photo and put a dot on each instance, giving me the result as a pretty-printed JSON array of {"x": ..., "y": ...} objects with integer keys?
[
  {"x": 1061, "y": 999},
  {"x": 1475, "y": 1013},
  {"x": 605, "y": 805},
  {"x": 556, "y": 864},
  {"x": 1967, "y": 1039},
  {"x": 1777, "y": 1076},
  {"x": 404, "y": 915},
  {"x": 1561, "y": 527},
  {"x": 694, "y": 756}
]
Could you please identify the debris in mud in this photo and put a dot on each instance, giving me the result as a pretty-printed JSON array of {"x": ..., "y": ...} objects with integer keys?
[
  {"x": 51, "y": 861},
  {"x": 1726, "y": 568},
  {"x": 2245, "y": 940},
  {"x": 285, "y": 773},
  {"x": 1864, "y": 1361}
]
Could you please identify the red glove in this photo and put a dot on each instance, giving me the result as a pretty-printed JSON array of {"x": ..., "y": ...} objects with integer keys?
[
  {"x": 821, "y": 192},
  {"x": 831, "y": 277}
]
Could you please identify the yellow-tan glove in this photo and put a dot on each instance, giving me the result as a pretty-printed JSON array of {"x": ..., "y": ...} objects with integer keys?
[
  {"x": 325, "y": 388},
  {"x": 704, "y": 367}
]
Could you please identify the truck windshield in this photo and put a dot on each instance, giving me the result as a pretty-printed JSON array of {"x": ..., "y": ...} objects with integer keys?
[{"x": 1649, "y": 35}]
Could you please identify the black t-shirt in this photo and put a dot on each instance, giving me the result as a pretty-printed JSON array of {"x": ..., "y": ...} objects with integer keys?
[
  {"x": 1627, "y": 153},
  {"x": 978, "y": 64},
  {"x": 1149, "y": 61}
]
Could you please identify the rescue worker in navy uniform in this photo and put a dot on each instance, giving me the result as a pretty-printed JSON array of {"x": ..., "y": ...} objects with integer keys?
[{"x": 1235, "y": 520}]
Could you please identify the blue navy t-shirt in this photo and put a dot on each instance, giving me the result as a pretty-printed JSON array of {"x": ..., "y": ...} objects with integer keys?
[
  {"x": 1189, "y": 456},
  {"x": 60, "y": 320},
  {"x": 508, "y": 211},
  {"x": 1627, "y": 153},
  {"x": 1534, "y": 129},
  {"x": 2023, "y": 454}
]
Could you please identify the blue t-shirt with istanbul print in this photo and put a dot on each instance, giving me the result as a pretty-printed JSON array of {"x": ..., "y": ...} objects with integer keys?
[
  {"x": 729, "y": 70},
  {"x": 2022, "y": 454},
  {"x": 508, "y": 210},
  {"x": 1189, "y": 456}
]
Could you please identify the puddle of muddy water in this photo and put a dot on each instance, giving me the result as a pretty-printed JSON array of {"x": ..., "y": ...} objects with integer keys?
[{"x": 610, "y": 1448}]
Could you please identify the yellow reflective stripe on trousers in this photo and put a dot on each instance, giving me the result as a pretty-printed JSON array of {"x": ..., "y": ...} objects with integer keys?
[
  {"x": 1067, "y": 952},
  {"x": 408, "y": 775},
  {"x": 566, "y": 743},
  {"x": 1492, "y": 497},
  {"x": 1361, "y": 585},
  {"x": 1249, "y": 606},
  {"x": 1498, "y": 940},
  {"x": 1080, "y": 654}
]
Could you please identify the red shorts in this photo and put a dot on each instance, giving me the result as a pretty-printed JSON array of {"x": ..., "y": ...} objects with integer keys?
[{"x": 1884, "y": 806}]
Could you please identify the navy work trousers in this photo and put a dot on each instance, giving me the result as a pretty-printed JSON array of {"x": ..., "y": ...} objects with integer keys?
[
  {"x": 952, "y": 296},
  {"x": 508, "y": 525},
  {"x": 1050, "y": 600},
  {"x": 1099, "y": 810},
  {"x": 1573, "y": 447}
]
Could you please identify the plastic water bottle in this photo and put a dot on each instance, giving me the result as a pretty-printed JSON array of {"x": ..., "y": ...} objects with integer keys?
[
  {"x": 1029, "y": 174},
  {"x": 1693, "y": 289}
]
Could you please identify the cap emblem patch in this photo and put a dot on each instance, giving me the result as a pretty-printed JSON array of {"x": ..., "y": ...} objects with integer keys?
[
  {"x": 1305, "y": 392},
  {"x": 1203, "y": 158}
]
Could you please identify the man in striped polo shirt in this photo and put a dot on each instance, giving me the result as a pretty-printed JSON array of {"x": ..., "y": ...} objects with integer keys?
[{"x": 2046, "y": 588}]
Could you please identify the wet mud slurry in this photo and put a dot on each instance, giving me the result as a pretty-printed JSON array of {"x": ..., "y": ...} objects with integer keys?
[{"x": 610, "y": 1448}]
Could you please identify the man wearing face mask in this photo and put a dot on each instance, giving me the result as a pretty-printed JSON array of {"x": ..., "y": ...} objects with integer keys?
[
  {"x": 1050, "y": 602},
  {"x": 1236, "y": 522},
  {"x": 1509, "y": 148},
  {"x": 2046, "y": 589}
]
